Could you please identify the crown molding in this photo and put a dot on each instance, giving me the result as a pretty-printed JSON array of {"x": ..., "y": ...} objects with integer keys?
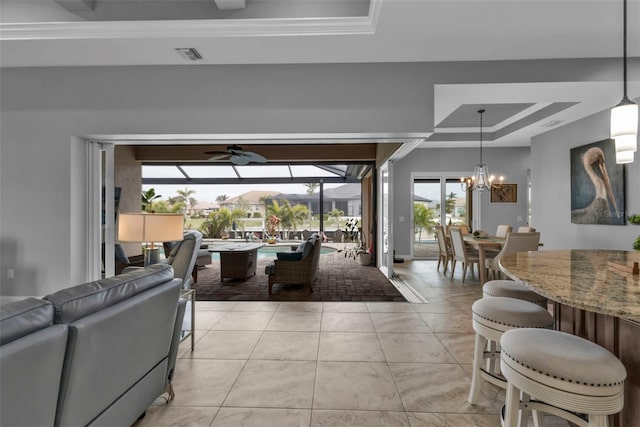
[{"x": 194, "y": 28}]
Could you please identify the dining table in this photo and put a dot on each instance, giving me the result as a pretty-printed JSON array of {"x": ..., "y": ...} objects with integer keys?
[
  {"x": 594, "y": 294},
  {"x": 483, "y": 245}
]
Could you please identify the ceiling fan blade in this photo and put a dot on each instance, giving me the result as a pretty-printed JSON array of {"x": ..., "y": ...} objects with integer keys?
[
  {"x": 217, "y": 155},
  {"x": 239, "y": 160},
  {"x": 255, "y": 157}
]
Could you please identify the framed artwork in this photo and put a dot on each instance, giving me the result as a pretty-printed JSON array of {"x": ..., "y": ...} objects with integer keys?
[
  {"x": 597, "y": 185},
  {"x": 506, "y": 193}
]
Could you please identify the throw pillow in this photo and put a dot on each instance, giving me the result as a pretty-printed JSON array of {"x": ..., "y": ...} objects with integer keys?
[{"x": 289, "y": 256}]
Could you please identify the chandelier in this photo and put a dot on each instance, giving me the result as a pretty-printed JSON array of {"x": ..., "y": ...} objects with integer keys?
[
  {"x": 481, "y": 179},
  {"x": 624, "y": 116}
]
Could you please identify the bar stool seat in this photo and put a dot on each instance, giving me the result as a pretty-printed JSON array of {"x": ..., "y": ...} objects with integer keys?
[
  {"x": 563, "y": 374},
  {"x": 491, "y": 317},
  {"x": 512, "y": 289}
]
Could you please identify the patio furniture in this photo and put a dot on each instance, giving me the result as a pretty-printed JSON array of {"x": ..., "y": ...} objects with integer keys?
[
  {"x": 237, "y": 261},
  {"x": 301, "y": 271}
]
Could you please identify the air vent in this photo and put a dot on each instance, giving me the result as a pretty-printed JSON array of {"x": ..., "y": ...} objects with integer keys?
[
  {"x": 189, "y": 53},
  {"x": 551, "y": 124}
]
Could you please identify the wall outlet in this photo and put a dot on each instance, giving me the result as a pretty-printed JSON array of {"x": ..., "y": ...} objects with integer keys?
[
  {"x": 11, "y": 274},
  {"x": 519, "y": 218}
]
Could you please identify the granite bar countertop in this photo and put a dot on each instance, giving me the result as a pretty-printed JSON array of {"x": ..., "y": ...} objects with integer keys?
[{"x": 580, "y": 278}]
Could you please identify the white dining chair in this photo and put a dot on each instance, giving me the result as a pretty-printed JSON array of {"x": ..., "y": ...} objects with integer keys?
[
  {"x": 461, "y": 253},
  {"x": 515, "y": 242},
  {"x": 503, "y": 229},
  {"x": 526, "y": 229}
]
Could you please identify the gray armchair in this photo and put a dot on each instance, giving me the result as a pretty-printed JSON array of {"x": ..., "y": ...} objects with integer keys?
[{"x": 182, "y": 256}]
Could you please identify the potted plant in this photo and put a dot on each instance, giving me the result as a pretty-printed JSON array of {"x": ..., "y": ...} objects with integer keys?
[
  {"x": 272, "y": 225},
  {"x": 636, "y": 244},
  {"x": 360, "y": 252}
]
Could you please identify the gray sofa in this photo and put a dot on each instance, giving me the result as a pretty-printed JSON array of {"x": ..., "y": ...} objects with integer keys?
[{"x": 94, "y": 354}]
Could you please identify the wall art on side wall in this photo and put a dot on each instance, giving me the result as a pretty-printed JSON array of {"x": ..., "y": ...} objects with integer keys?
[
  {"x": 505, "y": 193},
  {"x": 597, "y": 185}
]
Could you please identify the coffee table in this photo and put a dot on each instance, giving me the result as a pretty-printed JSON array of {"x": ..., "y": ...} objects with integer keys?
[{"x": 237, "y": 260}]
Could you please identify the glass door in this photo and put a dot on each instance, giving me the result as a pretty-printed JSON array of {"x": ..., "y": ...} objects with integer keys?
[
  {"x": 427, "y": 196},
  {"x": 437, "y": 200}
]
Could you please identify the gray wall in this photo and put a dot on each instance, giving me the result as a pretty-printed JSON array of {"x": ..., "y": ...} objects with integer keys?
[
  {"x": 46, "y": 110},
  {"x": 513, "y": 163},
  {"x": 551, "y": 189}
]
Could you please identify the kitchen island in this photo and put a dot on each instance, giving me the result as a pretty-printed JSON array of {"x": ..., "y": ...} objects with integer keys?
[{"x": 592, "y": 297}]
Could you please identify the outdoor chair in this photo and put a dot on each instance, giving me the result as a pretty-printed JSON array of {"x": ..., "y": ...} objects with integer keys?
[{"x": 299, "y": 267}]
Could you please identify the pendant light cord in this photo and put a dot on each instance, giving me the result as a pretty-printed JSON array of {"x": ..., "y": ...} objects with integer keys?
[
  {"x": 482, "y": 111},
  {"x": 624, "y": 48}
]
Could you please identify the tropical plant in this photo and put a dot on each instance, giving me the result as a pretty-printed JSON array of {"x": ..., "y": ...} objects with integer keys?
[
  {"x": 312, "y": 187},
  {"x": 450, "y": 203},
  {"x": 163, "y": 206},
  {"x": 272, "y": 224},
  {"x": 237, "y": 214},
  {"x": 221, "y": 198},
  {"x": 184, "y": 195},
  {"x": 423, "y": 219},
  {"x": 634, "y": 219},
  {"x": 636, "y": 244},
  {"x": 217, "y": 223},
  {"x": 351, "y": 229},
  {"x": 147, "y": 198}
]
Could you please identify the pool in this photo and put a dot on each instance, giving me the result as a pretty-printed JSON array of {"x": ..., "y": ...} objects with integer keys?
[{"x": 269, "y": 251}]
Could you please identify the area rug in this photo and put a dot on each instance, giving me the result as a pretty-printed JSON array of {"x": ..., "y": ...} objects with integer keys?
[{"x": 339, "y": 279}]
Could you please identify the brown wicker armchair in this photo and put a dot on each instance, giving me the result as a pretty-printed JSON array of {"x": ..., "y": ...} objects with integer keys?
[{"x": 300, "y": 272}]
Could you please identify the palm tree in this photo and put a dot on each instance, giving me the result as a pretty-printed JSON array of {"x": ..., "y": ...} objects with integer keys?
[
  {"x": 222, "y": 198},
  {"x": 311, "y": 187},
  {"x": 183, "y": 196},
  {"x": 422, "y": 219}
]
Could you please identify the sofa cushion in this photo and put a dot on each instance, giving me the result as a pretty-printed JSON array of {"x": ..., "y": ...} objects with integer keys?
[
  {"x": 308, "y": 247},
  {"x": 79, "y": 301},
  {"x": 289, "y": 256},
  {"x": 20, "y": 318}
]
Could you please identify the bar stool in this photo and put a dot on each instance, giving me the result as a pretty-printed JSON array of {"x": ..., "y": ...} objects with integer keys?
[
  {"x": 491, "y": 318},
  {"x": 563, "y": 374},
  {"x": 512, "y": 289}
]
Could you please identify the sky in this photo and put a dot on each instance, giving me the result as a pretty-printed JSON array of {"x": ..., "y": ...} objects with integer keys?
[{"x": 208, "y": 193}]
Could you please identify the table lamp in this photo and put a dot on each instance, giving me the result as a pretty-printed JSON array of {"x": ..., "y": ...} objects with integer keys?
[{"x": 150, "y": 228}]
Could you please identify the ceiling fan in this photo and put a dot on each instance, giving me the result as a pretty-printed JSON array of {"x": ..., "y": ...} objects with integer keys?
[{"x": 236, "y": 155}]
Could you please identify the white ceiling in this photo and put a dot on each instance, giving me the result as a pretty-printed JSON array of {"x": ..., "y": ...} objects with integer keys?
[{"x": 36, "y": 33}]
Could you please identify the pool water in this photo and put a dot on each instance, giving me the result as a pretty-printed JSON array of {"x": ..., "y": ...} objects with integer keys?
[{"x": 270, "y": 251}]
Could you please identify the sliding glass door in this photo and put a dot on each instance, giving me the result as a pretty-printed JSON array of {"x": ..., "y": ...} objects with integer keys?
[{"x": 437, "y": 199}]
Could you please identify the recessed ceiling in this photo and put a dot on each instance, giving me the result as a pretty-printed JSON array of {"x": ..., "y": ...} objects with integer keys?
[{"x": 155, "y": 10}]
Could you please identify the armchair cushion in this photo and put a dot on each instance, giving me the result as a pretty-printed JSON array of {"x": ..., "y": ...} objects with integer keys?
[{"x": 289, "y": 256}]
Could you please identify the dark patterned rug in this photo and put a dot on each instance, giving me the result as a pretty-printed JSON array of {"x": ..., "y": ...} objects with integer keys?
[{"x": 339, "y": 279}]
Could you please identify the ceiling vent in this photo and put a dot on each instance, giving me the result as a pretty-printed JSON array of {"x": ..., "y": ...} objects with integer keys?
[
  {"x": 189, "y": 53},
  {"x": 551, "y": 124}
]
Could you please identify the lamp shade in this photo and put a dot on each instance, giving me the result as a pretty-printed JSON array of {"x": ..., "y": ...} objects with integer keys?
[
  {"x": 150, "y": 227},
  {"x": 624, "y": 123},
  {"x": 624, "y": 157}
]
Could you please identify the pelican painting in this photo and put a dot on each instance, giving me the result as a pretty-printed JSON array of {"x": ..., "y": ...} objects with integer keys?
[{"x": 596, "y": 185}]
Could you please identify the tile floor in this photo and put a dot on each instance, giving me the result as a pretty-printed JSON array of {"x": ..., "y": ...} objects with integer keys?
[{"x": 333, "y": 364}]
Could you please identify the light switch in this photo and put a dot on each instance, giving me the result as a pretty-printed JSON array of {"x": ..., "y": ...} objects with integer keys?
[
  {"x": 401, "y": 218},
  {"x": 519, "y": 218}
]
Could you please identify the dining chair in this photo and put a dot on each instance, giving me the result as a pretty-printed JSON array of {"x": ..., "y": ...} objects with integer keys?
[
  {"x": 526, "y": 229},
  {"x": 503, "y": 230},
  {"x": 515, "y": 242},
  {"x": 461, "y": 253},
  {"x": 444, "y": 247}
]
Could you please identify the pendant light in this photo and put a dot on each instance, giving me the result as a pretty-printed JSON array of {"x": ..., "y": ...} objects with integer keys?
[
  {"x": 624, "y": 116},
  {"x": 481, "y": 180}
]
